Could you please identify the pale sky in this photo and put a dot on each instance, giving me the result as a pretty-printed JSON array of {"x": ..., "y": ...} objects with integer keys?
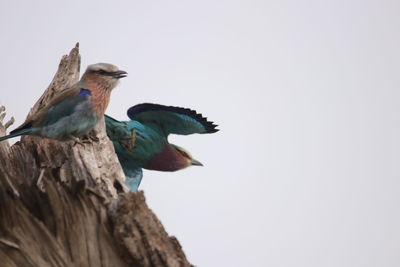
[{"x": 305, "y": 169}]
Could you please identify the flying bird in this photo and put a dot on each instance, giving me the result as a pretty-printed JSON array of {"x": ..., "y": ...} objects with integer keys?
[
  {"x": 142, "y": 142},
  {"x": 74, "y": 111}
]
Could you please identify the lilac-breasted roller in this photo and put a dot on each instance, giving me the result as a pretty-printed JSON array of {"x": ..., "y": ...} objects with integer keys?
[
  {"x": 142, "y": 142},
  {"x": 74, "y": 111}
]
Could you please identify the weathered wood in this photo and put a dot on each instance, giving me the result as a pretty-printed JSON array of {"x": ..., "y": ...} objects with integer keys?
[{"x": 65, "y": 205}]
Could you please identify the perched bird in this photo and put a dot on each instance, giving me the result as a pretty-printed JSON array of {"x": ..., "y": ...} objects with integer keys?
[
  {"x": 142, "y": 142},
  {"x": 74, "y": 111}
]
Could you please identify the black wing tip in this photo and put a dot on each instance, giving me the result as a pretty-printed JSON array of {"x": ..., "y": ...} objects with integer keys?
[
  {"x": 209, "y": 125},
  {"x": 213, "y": 130}
]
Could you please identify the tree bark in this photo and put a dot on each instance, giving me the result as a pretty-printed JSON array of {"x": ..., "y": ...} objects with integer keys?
[{"x": 65, "y": 205}]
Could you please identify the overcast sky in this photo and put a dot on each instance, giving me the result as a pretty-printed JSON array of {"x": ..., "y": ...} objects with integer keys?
[{"x": 305, "y": 170}]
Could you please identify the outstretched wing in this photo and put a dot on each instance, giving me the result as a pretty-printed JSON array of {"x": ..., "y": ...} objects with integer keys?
[{"x": 171, "y": 120}]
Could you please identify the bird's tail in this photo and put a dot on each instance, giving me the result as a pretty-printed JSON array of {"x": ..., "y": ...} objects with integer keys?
[{"x": 22, "y": 132}]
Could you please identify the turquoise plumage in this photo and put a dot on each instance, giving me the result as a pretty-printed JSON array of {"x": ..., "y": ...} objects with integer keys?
[{"x": 142, "y": 142}]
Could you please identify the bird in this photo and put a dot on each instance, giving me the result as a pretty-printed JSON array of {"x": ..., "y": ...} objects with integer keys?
[
  {"x": 74, "y": 111},
  {"x": 142, "y": 142}
]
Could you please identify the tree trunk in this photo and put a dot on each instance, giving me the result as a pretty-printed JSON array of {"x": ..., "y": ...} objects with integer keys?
[{"x": 65, "y": 205}]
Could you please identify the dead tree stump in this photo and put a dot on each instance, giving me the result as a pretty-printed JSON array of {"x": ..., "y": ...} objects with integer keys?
[{"x": 66, "y": 205}]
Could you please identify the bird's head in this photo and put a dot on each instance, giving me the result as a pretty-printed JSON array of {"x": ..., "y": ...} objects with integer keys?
[
  {"x": 104, "y": 74},
  {"x": 189, "y": 160}
]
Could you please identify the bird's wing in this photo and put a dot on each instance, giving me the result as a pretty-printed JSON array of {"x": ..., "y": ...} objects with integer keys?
[
  {"x": 134, "y": 141},
  {"x": 171, "y": 120},
  {"x": 121, "y": 135},
  {"x": 133, "y": 178},
  {"x": 62, "y": 105},
  {"x": 115, "y": 129}
]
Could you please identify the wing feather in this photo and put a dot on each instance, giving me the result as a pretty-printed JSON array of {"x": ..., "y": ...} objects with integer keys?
[
  {"x": 171, "y": 120},
  {"x": 61, "y": 105}
]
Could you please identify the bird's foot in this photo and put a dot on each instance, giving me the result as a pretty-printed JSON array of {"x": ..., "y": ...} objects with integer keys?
[
  {"x": 78, "y": 141},
  {"x": 90, "y": 137},
  {"x": 94, "y": 138},
  {"x": 131, "y": 141}
]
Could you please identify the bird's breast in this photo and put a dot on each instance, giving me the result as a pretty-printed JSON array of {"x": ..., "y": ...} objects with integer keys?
[
  {"x": 167, "y": 160},
  {"x": 100, "y": 97}
]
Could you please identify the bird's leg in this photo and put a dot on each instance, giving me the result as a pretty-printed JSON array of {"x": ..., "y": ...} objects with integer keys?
[
  {"x": 94, "y": 138},
  {"x": 131, "y": 141},
  {"x": 76, "y": 140},
  {"x": 91, "y": 136}
]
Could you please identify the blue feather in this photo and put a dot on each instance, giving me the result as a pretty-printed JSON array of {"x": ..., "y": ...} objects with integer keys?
[
  {"x": 169, "y": 119},
  {"x": 143, "y": 143},
  {"x": 84, "y": 92},
  {"x": 133, "y": 179}
]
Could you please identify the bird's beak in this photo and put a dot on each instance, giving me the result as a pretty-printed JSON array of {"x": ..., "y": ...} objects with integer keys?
[
  {"x": 119, "y": 74},
  {"x": 196, "y": 162}
]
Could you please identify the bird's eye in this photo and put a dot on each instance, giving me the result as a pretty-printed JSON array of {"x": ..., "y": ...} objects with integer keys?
[{"x": 101, "y": 72}]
